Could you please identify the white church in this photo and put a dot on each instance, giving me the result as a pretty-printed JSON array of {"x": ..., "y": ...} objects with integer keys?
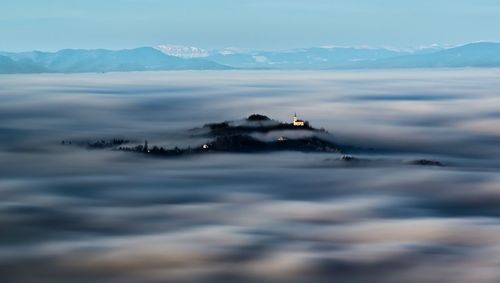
[{"x": 297, "y": 122}]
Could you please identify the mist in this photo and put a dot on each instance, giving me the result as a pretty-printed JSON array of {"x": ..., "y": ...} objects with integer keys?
[{"x": 72, "y": 214}]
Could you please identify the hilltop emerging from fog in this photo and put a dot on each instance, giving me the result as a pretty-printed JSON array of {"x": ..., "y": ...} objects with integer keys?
[
  {"x": 257, "y": 133},
  {"x": 171, "y": 57}
]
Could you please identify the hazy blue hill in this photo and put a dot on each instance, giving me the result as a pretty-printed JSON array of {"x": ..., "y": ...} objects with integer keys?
[
  {"x": 239, "y": 61},
  {"x": 482, "y": 54},
  {"x": 101, "y": 60},
  {"x": 322, "y": 58},
  {"x": 311, "y": 58},
  {"x": 10, "y": 66}
]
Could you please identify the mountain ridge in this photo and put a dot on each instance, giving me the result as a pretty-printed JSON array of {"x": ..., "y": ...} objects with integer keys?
[
  {"x": 174, "y": 57},
  {"x": 103, "y": 60}
]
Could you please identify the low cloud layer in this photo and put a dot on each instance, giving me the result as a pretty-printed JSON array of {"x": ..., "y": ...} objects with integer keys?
[{"x": 68, "y": 214}]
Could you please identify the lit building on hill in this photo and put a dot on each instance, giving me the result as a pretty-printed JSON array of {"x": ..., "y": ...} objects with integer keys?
[{"x": 297, "y": 122}]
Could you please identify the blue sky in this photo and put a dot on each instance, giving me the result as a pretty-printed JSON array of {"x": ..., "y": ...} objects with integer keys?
[{"x": 260, "y": 24}]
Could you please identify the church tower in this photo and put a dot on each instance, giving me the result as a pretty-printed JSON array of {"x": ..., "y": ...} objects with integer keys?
[{"x": 297, "y": 122}]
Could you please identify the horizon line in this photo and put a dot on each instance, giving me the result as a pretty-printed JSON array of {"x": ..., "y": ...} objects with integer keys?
[{"x": 249, "y": 49}]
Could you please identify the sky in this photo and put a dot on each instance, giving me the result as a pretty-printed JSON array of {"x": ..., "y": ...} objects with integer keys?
[{"x": 258, "y": 24}]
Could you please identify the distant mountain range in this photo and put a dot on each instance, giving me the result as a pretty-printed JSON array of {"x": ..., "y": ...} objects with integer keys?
[
  {"x": 173, "y": 57},
  {"x": 100, "y": 60}
]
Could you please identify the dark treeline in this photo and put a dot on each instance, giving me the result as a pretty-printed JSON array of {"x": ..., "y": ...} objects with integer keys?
[
  {"x": 231, "y": 136},
  {"x": 99, "y": 144},
  {"x": 231, "y": 143}
]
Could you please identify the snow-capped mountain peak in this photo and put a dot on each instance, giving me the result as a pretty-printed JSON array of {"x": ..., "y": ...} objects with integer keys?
[{"x": 183, "y": 51}]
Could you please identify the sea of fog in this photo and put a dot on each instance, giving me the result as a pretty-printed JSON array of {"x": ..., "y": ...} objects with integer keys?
[{"x": 68, "y": 214}]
